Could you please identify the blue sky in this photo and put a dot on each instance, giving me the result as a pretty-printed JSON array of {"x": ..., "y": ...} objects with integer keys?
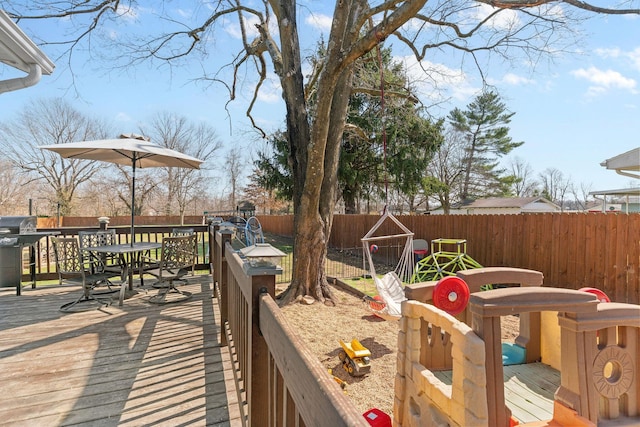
[{"x": 572, "y": 114}]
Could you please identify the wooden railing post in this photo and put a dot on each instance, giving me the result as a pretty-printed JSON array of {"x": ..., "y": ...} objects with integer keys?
[
  {"x": 258, "y": 384},
  {"x": 213, "y": 228},
  {"x": 221, "y": 278}
]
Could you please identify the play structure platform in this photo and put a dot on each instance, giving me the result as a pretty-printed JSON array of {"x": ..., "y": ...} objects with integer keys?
[{"x": 528, "y": 390}]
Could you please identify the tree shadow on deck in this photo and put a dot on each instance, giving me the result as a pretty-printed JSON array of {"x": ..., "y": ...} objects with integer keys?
[{"x": 140, "y": 364}]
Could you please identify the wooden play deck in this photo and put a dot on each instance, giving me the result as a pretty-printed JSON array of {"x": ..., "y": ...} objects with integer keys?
[
  {"x": 140, "y": 364},
  {"x": 528, "y": 390}
]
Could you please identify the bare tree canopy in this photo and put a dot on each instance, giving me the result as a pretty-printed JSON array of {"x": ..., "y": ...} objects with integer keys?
[
  {"x": 470, "y": 31},
  {"x": 46, "y": 122},
  {"x": 12, "y": 185},
  {"x": 177, "y": 132}
]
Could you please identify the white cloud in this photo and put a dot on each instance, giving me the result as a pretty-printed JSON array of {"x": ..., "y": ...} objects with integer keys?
[
  {"x": 123, "y": 117},
  {"x": 604, "y": 80},
  {"x": 437, "y": 81},
  {"x": 594, "y": 91},
  {"x": 233, "y": 28},
  {"x": 127, "y": 12},
  {"x": 250, "y": 21},
  {"x": 505, "y": 19},
  {"x": 319, "y": 21},
  {"x": 633, "y": 56},
  {"x": 608, "y": 53},
  {"x": 271, "y": 91},
  {"x": 184, "y": 13},
  {"x": 515, "y": 80}
]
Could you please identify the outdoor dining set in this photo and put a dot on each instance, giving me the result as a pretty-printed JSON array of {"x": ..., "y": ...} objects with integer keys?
[
  {"x": 95, "y": 258},
  {"x": 98, "y": 263}
]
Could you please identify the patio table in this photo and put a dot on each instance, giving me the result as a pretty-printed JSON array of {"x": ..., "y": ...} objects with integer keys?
[{"x": 127, "y": 253}]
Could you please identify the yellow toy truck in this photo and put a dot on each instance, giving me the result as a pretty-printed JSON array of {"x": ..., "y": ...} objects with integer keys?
[{"x": 355, "y": 358}]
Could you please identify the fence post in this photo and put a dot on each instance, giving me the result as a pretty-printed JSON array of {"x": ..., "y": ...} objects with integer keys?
[{"x": 258, "y": 385}]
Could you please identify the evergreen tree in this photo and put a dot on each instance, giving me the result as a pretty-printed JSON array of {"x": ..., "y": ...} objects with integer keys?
[
  {"x": 410, "y": 144},
  {"x": 483, "y": 128}
]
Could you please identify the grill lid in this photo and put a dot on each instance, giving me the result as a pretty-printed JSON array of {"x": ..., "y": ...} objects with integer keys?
[{"x": 18, "y": 224}]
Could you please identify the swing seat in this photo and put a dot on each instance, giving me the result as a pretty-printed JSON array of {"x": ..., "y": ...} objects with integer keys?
[{"x": 388, "y": 305}]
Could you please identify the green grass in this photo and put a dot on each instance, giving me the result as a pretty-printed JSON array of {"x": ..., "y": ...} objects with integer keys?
[{"x": 364, "y": 285}]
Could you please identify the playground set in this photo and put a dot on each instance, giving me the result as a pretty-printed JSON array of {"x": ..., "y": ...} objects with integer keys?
[
  {"x": 450, "y": 370},
  {"x": 579, "y": 367},
  {"x": 575, "y": 362}
]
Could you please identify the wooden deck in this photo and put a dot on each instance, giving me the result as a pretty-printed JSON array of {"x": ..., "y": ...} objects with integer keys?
[{"x": 140, "y": 364}]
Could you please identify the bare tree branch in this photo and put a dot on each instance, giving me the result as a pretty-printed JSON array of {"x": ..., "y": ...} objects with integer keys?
[{"x": 521, "y": 4}]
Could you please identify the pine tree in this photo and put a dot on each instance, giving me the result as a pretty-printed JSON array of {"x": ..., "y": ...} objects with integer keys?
[{"x": 486, "y": 137}]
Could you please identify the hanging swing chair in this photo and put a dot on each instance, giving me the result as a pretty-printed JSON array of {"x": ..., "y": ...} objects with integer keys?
[{"x": 387, "y": 303}]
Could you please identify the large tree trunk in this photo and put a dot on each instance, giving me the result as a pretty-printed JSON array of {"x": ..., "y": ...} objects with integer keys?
[
  {"x": 315, "y": 149},
  {"x": 315, "y": 152}
]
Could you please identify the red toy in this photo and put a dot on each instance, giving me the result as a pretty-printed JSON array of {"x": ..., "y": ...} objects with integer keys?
[{"x": 377, "y": 418}]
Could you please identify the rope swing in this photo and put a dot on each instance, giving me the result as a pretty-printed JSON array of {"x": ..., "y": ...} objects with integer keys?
[{"x": 404, "y": 268}]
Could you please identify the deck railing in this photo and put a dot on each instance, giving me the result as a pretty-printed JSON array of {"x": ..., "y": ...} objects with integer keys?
[
  {"x": 42, "y": 265},
  {"x": 279, "y": 381}
]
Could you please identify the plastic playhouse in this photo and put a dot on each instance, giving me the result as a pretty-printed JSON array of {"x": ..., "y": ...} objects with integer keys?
[{"x": 575, "y": 362}]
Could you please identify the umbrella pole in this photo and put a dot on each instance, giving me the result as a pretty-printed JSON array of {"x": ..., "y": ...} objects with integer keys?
[{"x": 133, "y": 199}]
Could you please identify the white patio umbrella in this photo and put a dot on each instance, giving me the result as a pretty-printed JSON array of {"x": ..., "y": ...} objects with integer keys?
[{"x": 131, "y": 150}]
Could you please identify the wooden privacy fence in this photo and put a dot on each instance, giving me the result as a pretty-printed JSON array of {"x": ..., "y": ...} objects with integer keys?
[
  {"x": 572, "y": 250},
  {"x": 279, "y": 381}
]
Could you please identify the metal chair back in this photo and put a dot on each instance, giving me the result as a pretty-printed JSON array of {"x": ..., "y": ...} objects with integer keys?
[
  {"x": 68, "y": 257},
  {"x": 177, "y": 252},
  {"x": 188, "y": 232},
  {"x": 176, "y": 259},
  {"x": 100, "y": 261},
  {"x": 72, "y": 267},
  {"x": 97, "y": 238}
]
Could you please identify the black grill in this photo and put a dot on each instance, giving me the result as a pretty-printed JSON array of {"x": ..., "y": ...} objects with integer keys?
[
  {"x": 16, "y": 232},
  {"x": 19, "y": 231}
]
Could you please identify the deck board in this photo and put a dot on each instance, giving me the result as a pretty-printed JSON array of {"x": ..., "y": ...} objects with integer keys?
[{"x": 140, "y": 364}]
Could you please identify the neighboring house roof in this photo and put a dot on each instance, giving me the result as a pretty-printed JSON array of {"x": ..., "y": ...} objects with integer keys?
[
  {"x": 628, "y": 198},
  {"x": 18, "y": 51},
  {"x": 631, "y": 191},
  {"x": 505, "y": 202}
]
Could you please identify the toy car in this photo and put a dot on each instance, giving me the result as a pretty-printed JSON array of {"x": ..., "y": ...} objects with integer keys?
[{"x": 355, "y": 358}]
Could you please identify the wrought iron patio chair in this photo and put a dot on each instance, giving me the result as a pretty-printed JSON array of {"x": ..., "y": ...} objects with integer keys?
[
  {"x": 188, "y": 232},
  {"x": 176, "y": 260},
  {"x": 72, "y": 268},
  {"x": 102, "y": 262}
]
